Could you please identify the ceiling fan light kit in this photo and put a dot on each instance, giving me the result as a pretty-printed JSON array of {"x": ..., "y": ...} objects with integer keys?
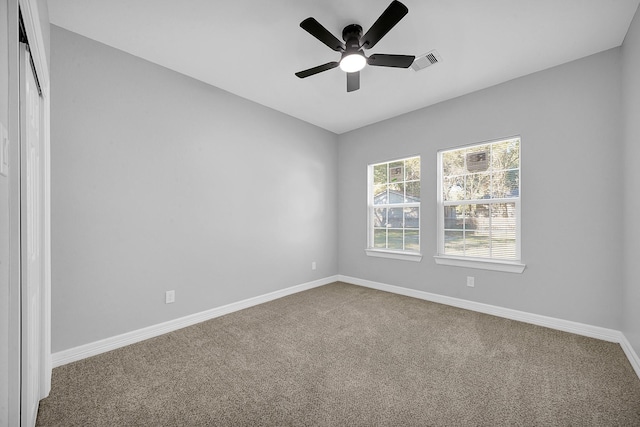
[
  {"x": 353, "y": 58},
  {"x": 352, "y": 63}
]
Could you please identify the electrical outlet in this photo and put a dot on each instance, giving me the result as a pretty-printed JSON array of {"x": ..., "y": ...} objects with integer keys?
[
  {"x": 169, "y": 297},
  {"x": 313, "y": 265},
  {"x": 471, "y": 281}
]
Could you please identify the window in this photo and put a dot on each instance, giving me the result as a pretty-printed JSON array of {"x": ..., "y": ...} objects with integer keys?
[
  {"x": 394, "y": 209},
  {"x": 479, "y": 206}
]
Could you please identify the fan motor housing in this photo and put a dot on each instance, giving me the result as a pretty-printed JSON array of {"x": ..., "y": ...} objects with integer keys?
[{"x": 351, "y": 34}]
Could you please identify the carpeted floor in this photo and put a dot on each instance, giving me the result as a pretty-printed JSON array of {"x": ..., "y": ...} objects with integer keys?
[{"x": 343, "y": 355}]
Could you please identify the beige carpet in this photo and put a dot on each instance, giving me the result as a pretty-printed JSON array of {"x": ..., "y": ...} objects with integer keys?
[{"x": 343, "y": 355}]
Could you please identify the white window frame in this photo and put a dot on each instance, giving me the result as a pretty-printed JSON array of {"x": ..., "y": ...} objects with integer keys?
[
  {"x": 510, "y": 266},
  {"x": 405, "y": 255}
]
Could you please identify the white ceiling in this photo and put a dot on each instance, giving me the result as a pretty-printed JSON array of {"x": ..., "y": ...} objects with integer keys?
[{"x": 252, "y": 48}]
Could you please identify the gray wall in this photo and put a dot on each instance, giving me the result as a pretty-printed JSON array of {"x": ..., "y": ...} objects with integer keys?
[
  {"x": 631, "y": 222},
  {"x": 569, "y": 121},
  {"x": 45, "y": 27},
  {"x": 161, "y": 182}
]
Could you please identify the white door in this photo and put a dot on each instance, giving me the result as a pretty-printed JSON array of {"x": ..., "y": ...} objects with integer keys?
[{"x": 31, "y": 217}]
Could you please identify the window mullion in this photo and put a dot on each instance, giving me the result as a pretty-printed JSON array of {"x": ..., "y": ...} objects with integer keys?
[{"x": 491, "y": 230}]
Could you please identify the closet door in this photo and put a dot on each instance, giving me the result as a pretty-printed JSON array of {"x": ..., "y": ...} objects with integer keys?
[{"x": 31, "y": 242}]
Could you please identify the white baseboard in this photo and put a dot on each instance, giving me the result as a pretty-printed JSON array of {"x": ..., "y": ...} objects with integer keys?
[
  {"x": 112, "y": 343},
  {"x": 631, "y": 354},
  {"x": 597, "y": 332},
  {"x": 87, "y": 350},
  {"x": 535, "y": 319}
]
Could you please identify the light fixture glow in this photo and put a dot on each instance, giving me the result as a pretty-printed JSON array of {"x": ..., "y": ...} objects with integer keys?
[{"x": 352, "y": 63}]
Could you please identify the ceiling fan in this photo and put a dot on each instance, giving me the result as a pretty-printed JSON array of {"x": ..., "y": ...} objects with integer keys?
[{"x": 353, "y": 58}]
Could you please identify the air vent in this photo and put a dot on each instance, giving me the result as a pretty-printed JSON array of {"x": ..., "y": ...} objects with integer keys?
[{"x": 423, "y": 61}]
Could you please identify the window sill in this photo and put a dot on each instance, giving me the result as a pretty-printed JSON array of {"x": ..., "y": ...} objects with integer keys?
[
  {"x": 482, "y": 264},
  {"x": 404, "y": 256}
]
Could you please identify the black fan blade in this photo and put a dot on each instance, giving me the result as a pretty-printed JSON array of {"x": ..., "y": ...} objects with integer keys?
[
  {"x": 316, "y": 29},
  {"x": 382, "y": 60},
  {"x": 389, "y": 18},
  {"x": 318, "y": 69},
  {"x": 353, "y": 81}
]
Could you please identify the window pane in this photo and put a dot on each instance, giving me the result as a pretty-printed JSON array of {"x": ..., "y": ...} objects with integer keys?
[
  {"x": 505, "y": 184},
  {"x": 396, "y": 171},
  {"x": 395, "y": 239},
  {"x": 477, "y": 158},
  {"x": 380, "y": 217},
  {"x": 454, "y": 217},
  {"x": 503, "y": 244},
  {"x": 412, "y": 169},
  {"x": 380, "y": 174},
  {"x": 477, "y": 244},
  {"x": 412, "y": 240},
  {"x": 413, "y": 192},
  {"x": 453, "y": 188},
  {"x": 503, "y": 217},
  {"x": 478, "y": 186},
  {"x": 477, "y": 161},
  {"x": 453, "y": 243},
  {"x": 453, "y": 163},
  {"x": 411, "y": 217},
  {"x": 395, "y": 217},
  {"x": 477, "y": 218},
  {"x": 380, "y": 194},
  {"x": 380, "y": 238},
  {"x": 506, "y": 155},
  {"x": 396, "y": 193}
]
